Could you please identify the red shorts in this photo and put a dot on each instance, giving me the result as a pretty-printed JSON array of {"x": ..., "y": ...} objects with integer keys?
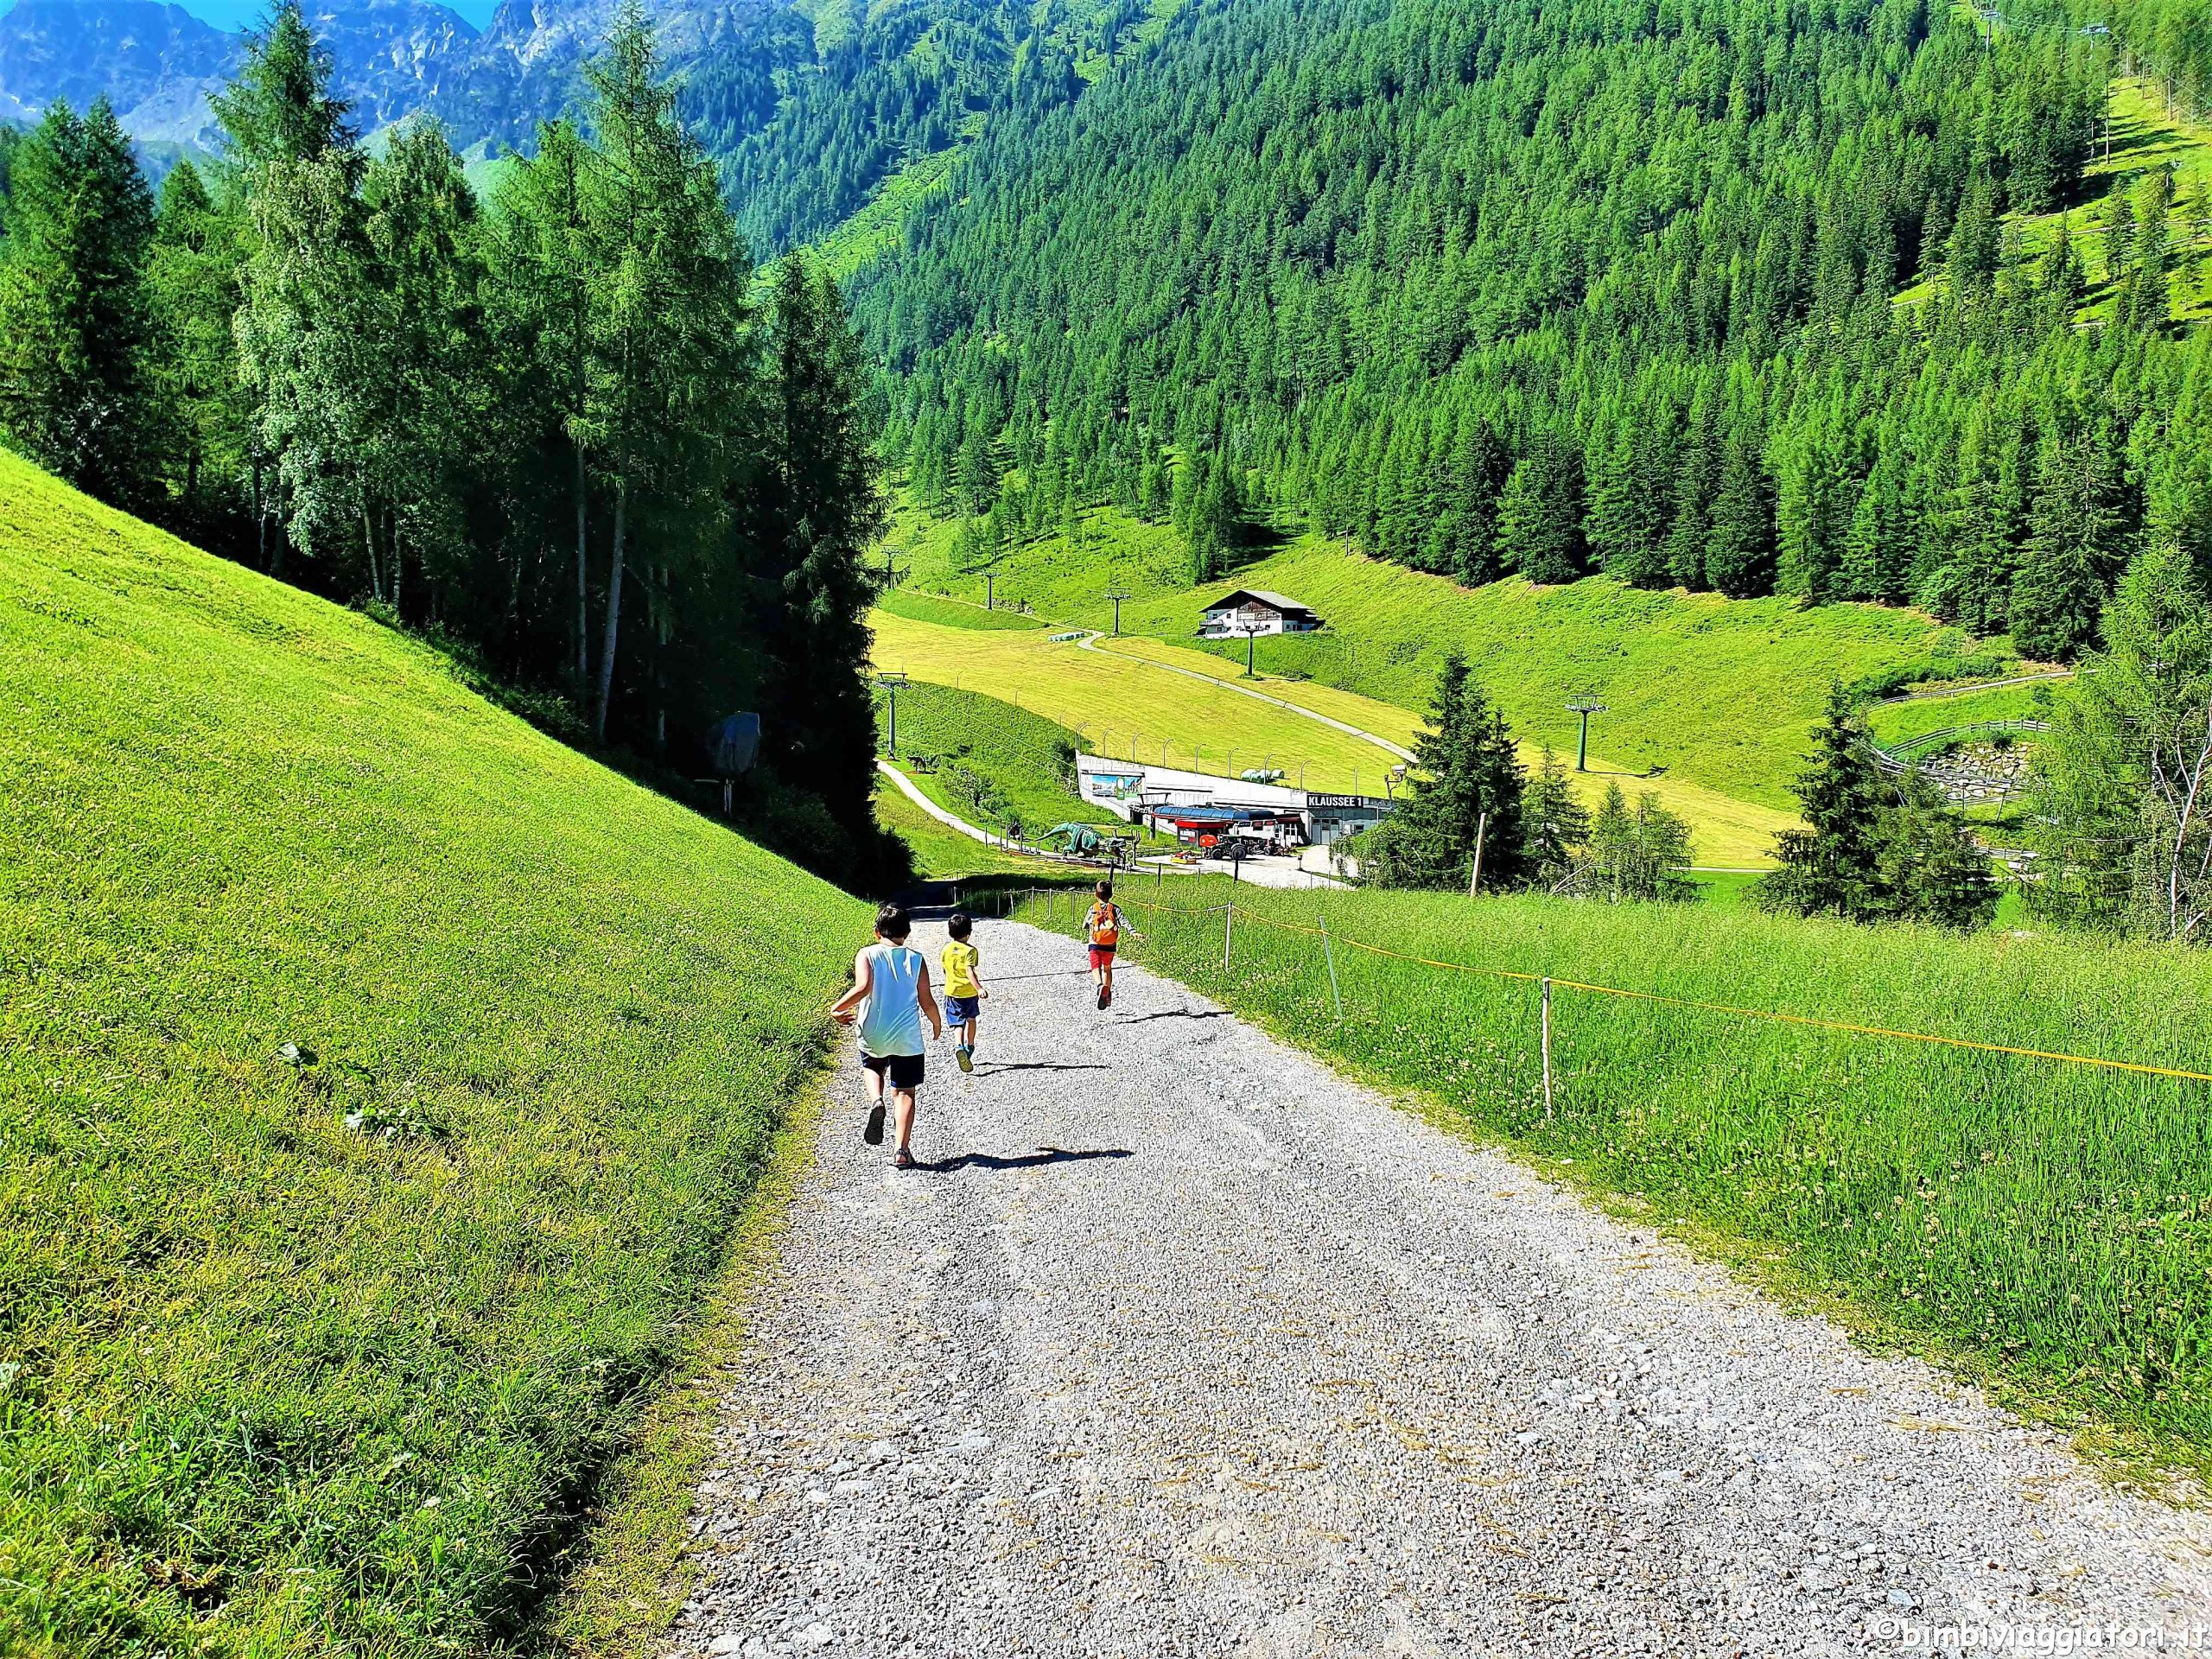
[{"x": 1102, "y": 956}]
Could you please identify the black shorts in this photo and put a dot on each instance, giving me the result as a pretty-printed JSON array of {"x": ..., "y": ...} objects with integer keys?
[{"x": 899, "y": 1070}]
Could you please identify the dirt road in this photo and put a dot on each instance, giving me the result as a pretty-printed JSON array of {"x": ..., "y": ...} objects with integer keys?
[{"x": 1182, "y": 1345}]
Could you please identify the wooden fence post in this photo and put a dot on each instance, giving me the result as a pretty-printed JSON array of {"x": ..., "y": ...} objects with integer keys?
[
  {"x": 1475, "y": 876},
  {"x": 1228, "y": 921},
  {"x": 1330, "y": 956},
  {"x": 1548, "y": 1047}
]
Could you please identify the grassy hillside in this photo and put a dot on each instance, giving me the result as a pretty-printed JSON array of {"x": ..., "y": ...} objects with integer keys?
[
  {"x": 1719, "y": 692},
  {"x": 379, "y": 1084},
  {"x": 991, "y": 760},
  {"x": 1123, "y": 705},
  {"x": 2145, "y": 134},
  {"x": 2042, "y": 1224}
]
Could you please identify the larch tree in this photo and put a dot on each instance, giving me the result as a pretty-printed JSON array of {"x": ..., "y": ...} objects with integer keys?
[{"x": 667, "y": 311}]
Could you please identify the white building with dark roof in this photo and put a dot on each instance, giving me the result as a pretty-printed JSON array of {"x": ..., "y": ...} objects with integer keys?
[{"x": 1254, "y": 610}]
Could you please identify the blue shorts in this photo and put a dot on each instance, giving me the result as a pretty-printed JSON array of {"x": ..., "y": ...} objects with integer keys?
[
  {"x": 962, "y": 1010},
  {"x": 899, "y": 1070}
]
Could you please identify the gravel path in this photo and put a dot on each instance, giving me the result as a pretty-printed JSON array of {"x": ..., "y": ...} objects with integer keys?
[{"x": 1187, "y": 1346}]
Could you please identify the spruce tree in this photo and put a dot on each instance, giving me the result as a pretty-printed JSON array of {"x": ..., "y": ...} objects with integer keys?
[
  {"x": 830, "y": 507},
  {"x": 1540, "y": 515},
  {"x": 76, "y": 374},
  {"x": 2082, "y": 531},
  {"x": 1466, "y": 781},
  {"x": 2148, "y": 300},
  {"x": 2118, "y": 233},
  {"x": 1976, "y": 241},
  {"x": 1740, "y": 557},
  {"x": 2064, "y": 280},
  {"x": 192, "y": 280},
  {"x": 1557, "y": 824},
  {"x": 1832, "y": 866},
  {"x": 1697, "y": 480},
  {"x": 281, "y": 107}
]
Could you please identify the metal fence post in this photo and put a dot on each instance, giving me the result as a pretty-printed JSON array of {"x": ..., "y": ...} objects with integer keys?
[
  {"x": 1330, "y": 956},
  {"x": 1548, "y": 1047}
]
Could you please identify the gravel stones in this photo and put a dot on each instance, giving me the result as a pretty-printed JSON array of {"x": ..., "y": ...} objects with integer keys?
[{"x": 1182, "y": 1345}]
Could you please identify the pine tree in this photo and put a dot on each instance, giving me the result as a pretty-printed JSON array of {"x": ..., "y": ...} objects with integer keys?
[
  {"x": 1931, "y": 866},
  {"x": 422, "y": 360},
  {"x": 667, "y": 304},
  {"x": 2106, "y": 833},
  {"x": 539, "y": 296},
  {"x": 1640, "y": 855},
  {"x": 76, "y": 375}
]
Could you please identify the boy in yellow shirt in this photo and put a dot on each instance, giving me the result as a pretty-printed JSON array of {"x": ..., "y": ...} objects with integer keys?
[{"x": 963, "y": 988}]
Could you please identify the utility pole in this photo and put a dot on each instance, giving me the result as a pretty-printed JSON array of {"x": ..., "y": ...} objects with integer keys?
[
  {"x": 1585, "y": 705},
  {"x": 891, "y": 683},
  {"x": 1117, "y": 596}
]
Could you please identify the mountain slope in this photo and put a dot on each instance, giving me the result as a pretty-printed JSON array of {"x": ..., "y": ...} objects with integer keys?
[
  {"x": 308, "y": 1349},
  {"x": 159, "y": 65},
  {"x": 156, "y": 63},
  {"x": 1539, "y": 288}
]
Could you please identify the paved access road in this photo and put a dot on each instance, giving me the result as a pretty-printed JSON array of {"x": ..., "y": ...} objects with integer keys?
[{"x": 1187, "y": 1346}]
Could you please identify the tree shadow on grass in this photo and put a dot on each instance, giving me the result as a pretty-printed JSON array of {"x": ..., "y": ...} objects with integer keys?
[{"x": 1036, "y": 1159}]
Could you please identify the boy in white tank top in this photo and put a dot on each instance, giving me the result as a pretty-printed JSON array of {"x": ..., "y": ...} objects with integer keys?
[{"x": 890, "y": 993}]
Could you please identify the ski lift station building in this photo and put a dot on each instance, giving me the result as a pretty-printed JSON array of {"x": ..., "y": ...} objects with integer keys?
[{"x": 1174, "y": 802}]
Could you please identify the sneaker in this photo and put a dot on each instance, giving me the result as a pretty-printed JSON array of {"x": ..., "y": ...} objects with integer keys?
[
  {"x": 1105, "y": 997},
  {"x": 966, "y": 1055},
  {"x": 874, "y": 1134}
]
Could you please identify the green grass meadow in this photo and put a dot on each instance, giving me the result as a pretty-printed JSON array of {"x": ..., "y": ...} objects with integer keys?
[
  {"x": 1012, "y": 752},
  {"x": 380, "y": 1083},
  {"x": 1722, "y": 693},
  {"x": 2042, "y": 1226}
]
